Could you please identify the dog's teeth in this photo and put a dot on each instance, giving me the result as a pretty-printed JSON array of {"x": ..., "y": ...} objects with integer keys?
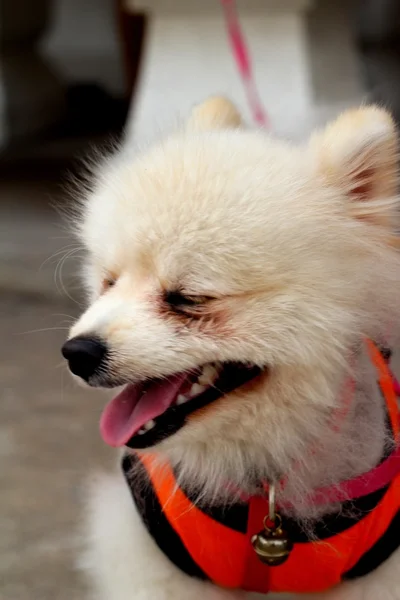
[
  {"x": 197, "y": 389},
  {"x": 149, "y": 425},
  {"x": 141, "y": 431},
  {"x": 181, "y": 399},
  {"x": 208, "y": 375}
]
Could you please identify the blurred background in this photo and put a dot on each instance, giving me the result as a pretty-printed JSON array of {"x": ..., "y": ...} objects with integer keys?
[{"x": 76, "y": 74}]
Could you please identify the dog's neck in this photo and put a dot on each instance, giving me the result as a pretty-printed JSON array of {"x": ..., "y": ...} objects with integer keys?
[{"x": 353, "y": 446}]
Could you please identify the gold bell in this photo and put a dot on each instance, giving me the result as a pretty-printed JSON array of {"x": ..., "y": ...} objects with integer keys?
[{"x": 272, "y": 545}]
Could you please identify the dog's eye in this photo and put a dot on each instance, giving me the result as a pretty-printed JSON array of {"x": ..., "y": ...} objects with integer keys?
[
  {"x": 182, "y": 303},
  {"x": 107, "y": 283}
]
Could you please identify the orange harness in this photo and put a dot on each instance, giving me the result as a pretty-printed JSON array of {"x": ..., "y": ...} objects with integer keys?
[{"x": 215, "y": 544}]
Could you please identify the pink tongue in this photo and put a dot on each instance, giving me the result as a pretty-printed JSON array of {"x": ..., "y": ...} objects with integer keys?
[{"x": 137, "y": 404}]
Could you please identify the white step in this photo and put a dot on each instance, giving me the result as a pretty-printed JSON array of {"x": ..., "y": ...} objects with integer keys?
[{"x": 188, "y": 58}]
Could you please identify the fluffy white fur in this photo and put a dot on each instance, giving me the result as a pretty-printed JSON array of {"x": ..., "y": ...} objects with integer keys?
[{"x": 298, "y": 244}]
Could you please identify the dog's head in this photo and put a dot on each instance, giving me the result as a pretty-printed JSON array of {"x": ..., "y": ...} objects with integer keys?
[{"x": 229, "y": 275}]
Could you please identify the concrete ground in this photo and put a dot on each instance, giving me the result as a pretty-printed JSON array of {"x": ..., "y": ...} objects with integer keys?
[{"x": 49, "y": 439}]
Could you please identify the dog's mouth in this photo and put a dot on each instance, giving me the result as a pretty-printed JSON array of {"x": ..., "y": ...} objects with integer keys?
[{"x": 145, "y": 413}]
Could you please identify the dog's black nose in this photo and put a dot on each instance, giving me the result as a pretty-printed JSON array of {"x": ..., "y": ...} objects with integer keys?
[{"x": 84, "y": 355}]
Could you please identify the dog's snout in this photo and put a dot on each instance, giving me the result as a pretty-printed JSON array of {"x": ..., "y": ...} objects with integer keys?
[{"x": 84, "y": 355}]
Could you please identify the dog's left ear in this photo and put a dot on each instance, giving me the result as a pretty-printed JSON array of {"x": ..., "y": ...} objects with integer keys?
[
  {"x": 214, "y": 113},
  {"x": 358, "y": 154}
]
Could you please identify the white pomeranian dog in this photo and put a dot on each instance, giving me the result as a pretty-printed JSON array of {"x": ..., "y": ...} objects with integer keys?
[{"x": 241, "y": 289}]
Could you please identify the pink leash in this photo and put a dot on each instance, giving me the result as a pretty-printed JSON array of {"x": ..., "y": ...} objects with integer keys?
[
  {"x": 387, "y": 471},
  {"x": 242, "y": 57},
  {"x": 243, "y": 62}
]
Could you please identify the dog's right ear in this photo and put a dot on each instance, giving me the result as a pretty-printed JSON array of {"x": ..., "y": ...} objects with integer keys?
[
  {"x": 214, "y": 113},
  {"x": 358, "y": 154}
]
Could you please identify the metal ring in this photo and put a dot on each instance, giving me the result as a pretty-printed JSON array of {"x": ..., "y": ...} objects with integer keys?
[
  {"x": 277, "y": 523},
  {"x": 271, "y": 500}
]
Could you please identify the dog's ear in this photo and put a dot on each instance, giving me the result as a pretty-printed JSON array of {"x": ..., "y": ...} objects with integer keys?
[
  {"x": 214, "y": 113},
  {"x": 358, "y": 154}
]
